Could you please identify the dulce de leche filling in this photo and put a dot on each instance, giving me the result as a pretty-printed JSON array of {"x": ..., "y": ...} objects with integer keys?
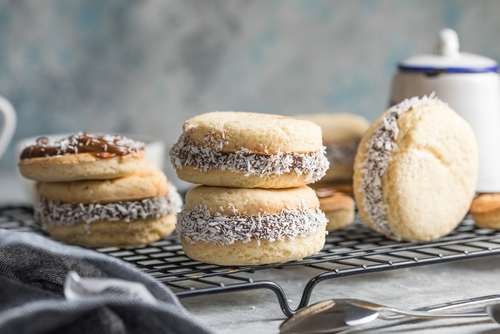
[{"x": 107, "y": 146}]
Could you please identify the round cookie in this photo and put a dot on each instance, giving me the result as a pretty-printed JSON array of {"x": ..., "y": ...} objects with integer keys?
[
  {"x": 249, "y": 150},
  {"x": 325, "y": 189},
  {"x": 339, "y": 209},
  {"x": 114, "y": 233},
  {"x": 81, "y": 156},
  {"x": 485, "y": 211},
  {"x": 234, "y": 226},
  {"x": 342, "y": 133},
  {"x": 110, "y": 212},
  {"x": 147, "y": 183},
  {"x": 416, "y": 170}
]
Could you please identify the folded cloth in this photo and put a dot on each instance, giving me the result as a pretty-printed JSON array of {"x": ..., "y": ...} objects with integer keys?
[{"x": 33, "y": 270}]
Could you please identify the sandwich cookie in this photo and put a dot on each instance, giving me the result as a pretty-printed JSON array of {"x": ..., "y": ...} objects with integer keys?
[
  {"x": 338, "y": 208},
  {"x": 249, "y": 150},
  {"x": 132, "y": 210},
  {"x": 326, "y": 189},
  {"x": 234, "y": 226},
  {"x": 485, "y": 211},
  {"x": 81, "y": 156},
  {"x": 415, "y": 171},
  {"x": 342, "y": 133}
]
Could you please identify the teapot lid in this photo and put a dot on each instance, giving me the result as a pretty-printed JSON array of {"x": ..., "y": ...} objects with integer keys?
[{"x": 447, "y": 58}]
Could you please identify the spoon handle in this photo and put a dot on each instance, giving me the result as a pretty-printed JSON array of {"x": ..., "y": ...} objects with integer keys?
[
  {"x": 460, "y": 303},
  {"x": 428, "y": 315},
  {"x": 451, "y": 306}
]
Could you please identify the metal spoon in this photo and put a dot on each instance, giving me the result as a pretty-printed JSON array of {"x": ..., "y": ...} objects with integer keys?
[
  {"x": 339, "y": 314},
  {"x": 494, "y": 312},
  {"x": 480, "y": 302}
]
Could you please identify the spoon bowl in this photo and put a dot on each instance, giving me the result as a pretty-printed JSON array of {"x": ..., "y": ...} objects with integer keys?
[
  {"x": 324, "y": 316},
  {"x": 494, "y": 312}
]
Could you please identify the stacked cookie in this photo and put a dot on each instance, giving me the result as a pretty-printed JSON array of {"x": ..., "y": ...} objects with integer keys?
[
  {"x": 337, "y": 206},
  {"x": 99, "y": 191},
  {"x": 342, "y": 133},
  {"x": 252, "y": 206}
]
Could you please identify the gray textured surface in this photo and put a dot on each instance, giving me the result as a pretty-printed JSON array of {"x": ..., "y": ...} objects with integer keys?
[
  {"x": 259, "y": 312},
  {"x": 147, "y": 66}
]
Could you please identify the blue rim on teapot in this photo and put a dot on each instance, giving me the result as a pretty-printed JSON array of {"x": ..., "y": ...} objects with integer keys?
[{"x": 447, "y": 59}]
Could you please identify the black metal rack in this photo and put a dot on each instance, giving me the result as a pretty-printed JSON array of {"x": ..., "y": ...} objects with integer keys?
[{"x": 350, "y": 251}]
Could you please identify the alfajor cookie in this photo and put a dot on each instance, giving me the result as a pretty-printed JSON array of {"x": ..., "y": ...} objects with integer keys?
[
  {"x": 485, "y": 211},
  {"x": 81, "y": 156},
  {"x": 416, "y": 170},
  {"x": 249, "y": 150},
  {"x": 233, "y": 226},
  {"x": 342, "y": 133},
  {"x": 339, "y": 210},
  {"x": 325, "y": 189},
  {"x": 132, "y": 210}
]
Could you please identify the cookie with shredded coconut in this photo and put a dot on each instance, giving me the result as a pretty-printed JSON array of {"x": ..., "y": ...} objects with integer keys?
[
  {"x": 249, "y": 150},
  {"x": 133, "y": 210},
  {"x": 341, "y": 136},
  {"x": 81, "y": 156},
  {"x": 234, "y": 226},
  {"x": 416, "y": 170}
]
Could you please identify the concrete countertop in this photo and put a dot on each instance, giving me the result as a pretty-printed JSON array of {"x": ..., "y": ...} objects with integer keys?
[{"x": 258, "y": 311}]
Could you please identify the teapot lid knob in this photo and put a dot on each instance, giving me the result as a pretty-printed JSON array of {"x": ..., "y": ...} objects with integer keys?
[
  {"x": 447, "y": 58},
  {"x": 447, "y": 43}
]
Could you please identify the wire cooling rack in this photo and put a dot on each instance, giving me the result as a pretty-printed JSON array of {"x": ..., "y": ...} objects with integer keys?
[{"x": 350, "y": 251}]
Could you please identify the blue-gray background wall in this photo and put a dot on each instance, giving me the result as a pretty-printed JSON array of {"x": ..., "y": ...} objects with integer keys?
[{"x": 147, "y": 66}]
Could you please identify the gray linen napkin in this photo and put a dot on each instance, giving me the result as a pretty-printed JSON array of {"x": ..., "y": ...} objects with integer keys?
[{"x": 33, "y": 270}]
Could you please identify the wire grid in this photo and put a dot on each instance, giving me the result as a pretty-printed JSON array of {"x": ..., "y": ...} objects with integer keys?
[{"x": 352, "y": 250}]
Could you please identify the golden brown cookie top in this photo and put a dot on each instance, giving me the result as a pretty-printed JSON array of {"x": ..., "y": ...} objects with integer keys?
[
  {"x": 335, "y": 202},
  {"x": 250, "y": 202},
  {"x": 147, "y": 183},
  {"x": 229, "y": 131},
  {"x": 485, "y": 203},
  {"x": 104, "y": 147},
  {"x": 339, "y": 128},
  {"x": 328, "y": 188}
]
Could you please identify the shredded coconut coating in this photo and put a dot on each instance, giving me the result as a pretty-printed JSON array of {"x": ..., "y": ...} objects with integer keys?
[
  {"x": 380, "y": 146},
  {"x": 216, "y": 139},
  {"x": 60, "y": 213},
  {"x": 200, "y": 225},
  {"x": 186, "y": 152}
]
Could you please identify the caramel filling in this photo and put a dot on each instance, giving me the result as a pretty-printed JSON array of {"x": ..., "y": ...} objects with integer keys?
[{"x": 103, "y": 147}]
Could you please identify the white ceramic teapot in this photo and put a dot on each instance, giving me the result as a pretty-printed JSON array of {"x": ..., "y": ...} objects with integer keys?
[{"x": 470, "y": 84}]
